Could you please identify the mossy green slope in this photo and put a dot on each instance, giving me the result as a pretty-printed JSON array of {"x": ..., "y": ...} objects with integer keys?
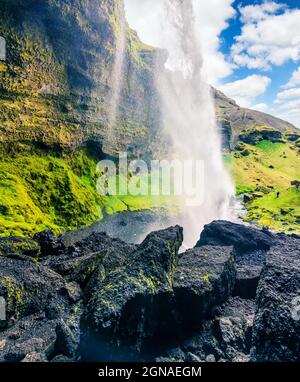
[
  {"x": 263, "y": 173},
  {"x": 42, "y": 189}
]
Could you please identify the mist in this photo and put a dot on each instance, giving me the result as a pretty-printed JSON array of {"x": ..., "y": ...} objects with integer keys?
[{"x": 189, "y": 118}]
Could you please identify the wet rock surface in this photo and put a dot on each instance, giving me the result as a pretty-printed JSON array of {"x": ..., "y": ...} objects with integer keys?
[
  {"x": 205, "y": 277},
  {"x": 132, "y": 319},
  {"x": 276, "y": 329},
  {"x": 232, "y": 298},
  {"x": 243, "y": 238}
]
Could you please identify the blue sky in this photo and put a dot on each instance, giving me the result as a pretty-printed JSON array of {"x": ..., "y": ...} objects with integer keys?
[{"x": 251, "y": 48}]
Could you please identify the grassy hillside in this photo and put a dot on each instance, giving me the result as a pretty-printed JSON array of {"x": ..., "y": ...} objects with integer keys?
[
  {"x": 41, "y": 189},
  {"x": 263, "y": 175}
]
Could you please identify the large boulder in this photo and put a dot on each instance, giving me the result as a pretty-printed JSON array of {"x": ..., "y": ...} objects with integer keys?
[
  {"x": 276, "y": 329},
  {"x": 244, "y": 238},
  {"x": 50, "y": 244},
  {"x": 17, "y": 247},
  {"x": 247, "y": 278},
  {"x": 29, "y": 288},
  {"x": 127, "y": 313},
  {"x": 205, "y": 278},
  {"x": 225, "y": 338},
  {"x": 79, "y": 262}
]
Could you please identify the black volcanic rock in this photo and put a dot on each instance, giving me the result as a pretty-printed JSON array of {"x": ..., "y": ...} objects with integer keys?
[
  {"x": 205, "y": 277},
  {"x": 253, "y": 137},
  {"x": 276, "y": 330},
  {"x": 103, "y": 299},
  {"x": 79, "y": 262},
  {"x": 224, "y": 338},
  {"x": 247, "y": 279},
  {"x": 30, "y": 288},
  {"x": 244, "y": 238},
  {"x": 49, "y": 243},
  {"x": 17, "y": 247},
  {"x": 125, "y": 315}
]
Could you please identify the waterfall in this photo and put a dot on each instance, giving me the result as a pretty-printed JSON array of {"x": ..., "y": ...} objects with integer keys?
[{"x": 189, "y": 118}]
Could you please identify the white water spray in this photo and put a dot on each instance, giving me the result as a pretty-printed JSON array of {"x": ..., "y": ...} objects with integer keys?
[{"x": 189, "y": 118}]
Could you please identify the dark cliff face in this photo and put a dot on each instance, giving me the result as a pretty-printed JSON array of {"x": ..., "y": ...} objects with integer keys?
[
  {"x": 58, "y": 77},
  {"x": 235, "y": 120},
  {"x": 58, "y": 80}
]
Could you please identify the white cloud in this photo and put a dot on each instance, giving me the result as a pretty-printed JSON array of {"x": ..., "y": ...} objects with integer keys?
[
  {"x": 260, "y": 107},
  {"x": 290, "y": 105},
  {"x": 288, "y": 102},
  {"x": 294, "y": 80},
  {"x": 270, "y": 36},
  {"x": 288, "y": 94},
  {"x": 147, "y": 18},
  {"x": 245, "y": 91},
  {"x": 251, "y": 13},
  {"x": 292, "y": 116}
]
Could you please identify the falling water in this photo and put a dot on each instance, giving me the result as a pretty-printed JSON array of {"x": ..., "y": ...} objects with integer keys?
[{"x": 189, "y": 118}]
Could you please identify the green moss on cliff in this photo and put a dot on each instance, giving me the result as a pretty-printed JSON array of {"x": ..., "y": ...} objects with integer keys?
[
  {"x": 264, "y": 176},
  {"x": 41, "y": 189}
]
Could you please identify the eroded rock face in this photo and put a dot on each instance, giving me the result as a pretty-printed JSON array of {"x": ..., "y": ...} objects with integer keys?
[
  {"x": 77, "y": 43},
  {"x": 127, "y": 312},
  {"x": 29, "y": 288},
  {"x": 101, "y": 299},
  {"x": 224, "y": 338},
  {"x": 276, "y": 329},
  {"x": 205, "y": 278},
  {"x": 243, "y": 238}
]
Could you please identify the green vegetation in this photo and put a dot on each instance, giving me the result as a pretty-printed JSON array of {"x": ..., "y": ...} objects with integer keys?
[
  {"x": 263, "y": 177},
  {"x": 15, "y": 297},
  {"x": 41, "y": 189}
]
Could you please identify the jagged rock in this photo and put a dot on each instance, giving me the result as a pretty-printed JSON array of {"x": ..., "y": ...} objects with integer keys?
[
  {"x": 146, "y": 302},
  {"x": 276, "y": 330},
  {"x": 16, "y": 247},
  {"x": 190, "y": 357},
  {"x": 292, "y": 137},
  {"x": 87, "y": 255},
  {"x": 29, "y": 288},
  {"x": 245, "y": 153},
  {"x": 75, "y": 268},
  {"x": 18, "y": 340},
  {"x": 98, "y": 242},
  {"x": 239, "y": 118},
  {"x": 176, "y": 354},
  {"x": 247, "y": 278},
  {"x": 61, "y": 359},
  {"x": 252, "y": 137},
  {"x": 243, "y": 238},
  {"x": 66, "y": 341},
  {"x": 74, "y": 292},
  {"x": 127, "y": 313},
  {"x": 205, "y": 277},
  {"x": 227, "y": 336},
  {"x": 50, "y": 245},
  {"x": 247, "y": 198},
  {"x": 21, "y": 350},
  {"x": 210, "y": 358},
  {"x": 35, "y": 357}
]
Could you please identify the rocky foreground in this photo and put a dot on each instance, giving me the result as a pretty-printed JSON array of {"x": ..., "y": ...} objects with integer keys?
[{"x": 232, "y": 298}]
